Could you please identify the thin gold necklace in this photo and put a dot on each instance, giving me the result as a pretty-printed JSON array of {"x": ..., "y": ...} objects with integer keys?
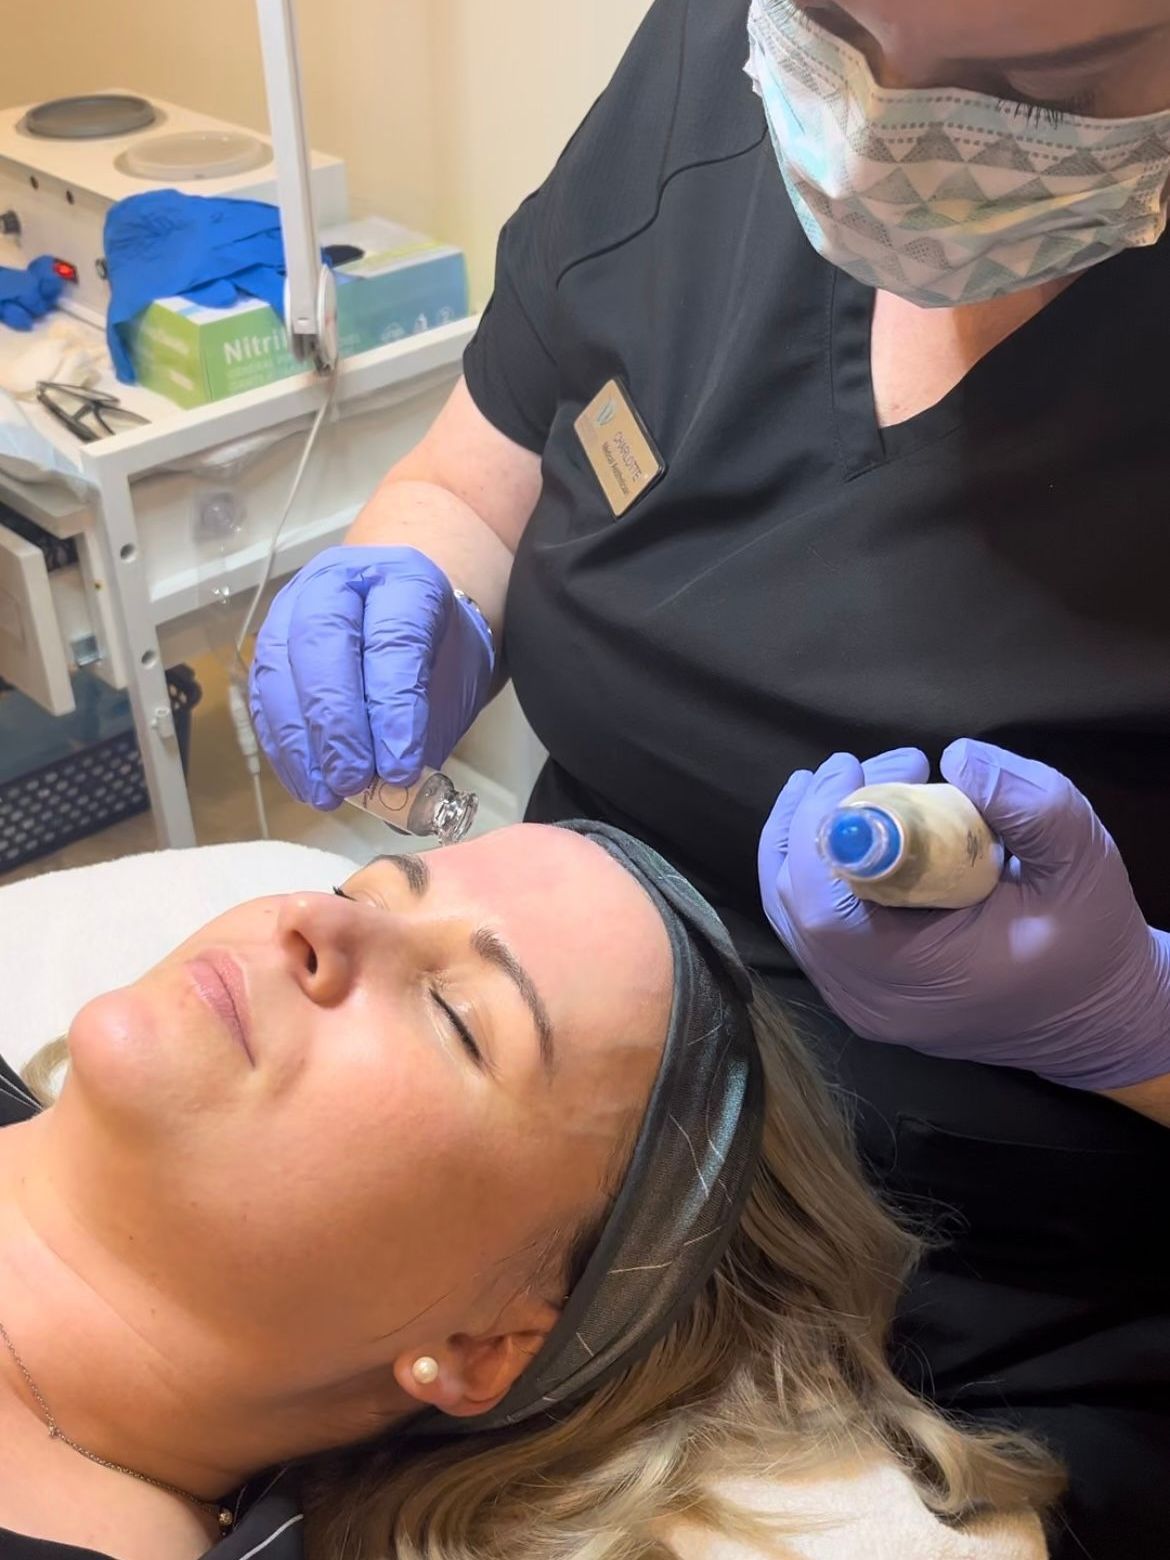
[{"x": 222, "y": 1514}]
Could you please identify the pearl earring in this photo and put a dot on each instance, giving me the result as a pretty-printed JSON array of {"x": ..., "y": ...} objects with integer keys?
[{"x": 425, "y": 1370}]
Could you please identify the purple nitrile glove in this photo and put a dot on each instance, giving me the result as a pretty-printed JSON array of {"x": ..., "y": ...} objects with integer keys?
[
  {"x": 367, "y": 664},
  {"x": 1057, "y": 972},
  {"x": 27, "y": 295}
]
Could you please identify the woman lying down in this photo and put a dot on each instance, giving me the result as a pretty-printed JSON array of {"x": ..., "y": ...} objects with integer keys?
[{"x": 474, "y": 1213}]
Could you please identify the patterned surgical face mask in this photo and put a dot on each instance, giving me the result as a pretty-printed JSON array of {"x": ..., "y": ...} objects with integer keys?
[{"x": 947, "y": 196}]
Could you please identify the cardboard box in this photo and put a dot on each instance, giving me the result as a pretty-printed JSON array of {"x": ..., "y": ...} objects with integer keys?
[{"x": 403, "y": 284}]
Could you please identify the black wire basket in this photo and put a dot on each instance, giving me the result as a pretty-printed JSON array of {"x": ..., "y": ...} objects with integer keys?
[{"x": 96, "y": 779}]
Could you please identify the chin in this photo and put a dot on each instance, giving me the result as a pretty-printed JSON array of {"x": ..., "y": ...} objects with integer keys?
[
  {"x": 138, "y": 1053},
  {"x": 152, "y": 1051},
  {"x": 113, "y": 1041}
]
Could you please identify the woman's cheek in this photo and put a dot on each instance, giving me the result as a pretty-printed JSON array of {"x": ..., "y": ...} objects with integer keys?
[
  {"x": 237, "y": 930},
  {"x": 392, "y": 1106},
  {"x": 1143, "y": 88}
]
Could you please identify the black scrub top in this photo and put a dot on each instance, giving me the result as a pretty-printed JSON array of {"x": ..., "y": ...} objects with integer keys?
[
  {"x": 268, "y": 1518},
  {"x": 801, "y": 581}
]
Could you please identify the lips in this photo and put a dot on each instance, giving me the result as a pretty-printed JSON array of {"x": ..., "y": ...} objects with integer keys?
[{"x": 219, "y": 982}]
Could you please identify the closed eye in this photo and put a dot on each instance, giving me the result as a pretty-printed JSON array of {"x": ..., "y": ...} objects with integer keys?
[{"x": 466, "y": 1038}]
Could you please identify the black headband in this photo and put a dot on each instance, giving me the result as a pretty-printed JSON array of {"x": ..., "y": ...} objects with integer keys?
[{"x": 691, "y": 1170}]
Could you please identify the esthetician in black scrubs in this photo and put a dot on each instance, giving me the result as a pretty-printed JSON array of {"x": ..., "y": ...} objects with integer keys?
[{"x": 827, "y": 411}]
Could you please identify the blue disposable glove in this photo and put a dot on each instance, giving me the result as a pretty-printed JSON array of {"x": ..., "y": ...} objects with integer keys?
[
  {"x": 368, "y": 664},
  {"x": 27, "y": 295},
  {"x": 211, "y": 249},
  {"x": 1056, "y": 972}
]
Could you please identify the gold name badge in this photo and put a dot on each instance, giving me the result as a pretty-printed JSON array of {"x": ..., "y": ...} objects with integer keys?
[{"x": 618, "y": 447}]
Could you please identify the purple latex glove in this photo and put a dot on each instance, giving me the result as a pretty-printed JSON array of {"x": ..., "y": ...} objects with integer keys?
[
  {"x": 368, "y": 663},
  {"x": 27, "y": 295},
  {"x": 1056, "y": 972}
]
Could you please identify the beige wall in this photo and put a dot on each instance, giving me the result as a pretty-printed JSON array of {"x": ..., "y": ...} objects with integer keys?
[
  {"x": 174, "y": 49},
  {"x": 447, "y": 111},
  {"x": 519, "y": 76}
]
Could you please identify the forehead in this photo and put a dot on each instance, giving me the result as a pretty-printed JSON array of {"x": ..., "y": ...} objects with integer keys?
[
  {"x": 587, "y": 933},
  {"x": 995, "y": 29},
  {"x": 572, "y": 874}
]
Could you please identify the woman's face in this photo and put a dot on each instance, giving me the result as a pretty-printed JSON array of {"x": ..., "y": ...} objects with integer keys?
[
  {"x": 1104, "y": 58},
  {"x": 349, "y": 1129}
]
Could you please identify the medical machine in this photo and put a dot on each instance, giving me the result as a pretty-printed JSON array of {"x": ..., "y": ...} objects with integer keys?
[{"x": 64, "y": 163}]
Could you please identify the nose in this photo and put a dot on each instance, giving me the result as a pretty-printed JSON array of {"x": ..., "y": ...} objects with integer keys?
[
  {"x": 325, "y": 940},
  {"x": 899, "y": 56},
  {"x": 903, "y": 67}
]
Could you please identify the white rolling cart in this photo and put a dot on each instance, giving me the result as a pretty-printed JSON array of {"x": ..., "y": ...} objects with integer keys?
[{"x": 166, "y": 535}]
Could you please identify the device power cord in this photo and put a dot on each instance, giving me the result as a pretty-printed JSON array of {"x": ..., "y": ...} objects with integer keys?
[{"x": 238, "y": 681}]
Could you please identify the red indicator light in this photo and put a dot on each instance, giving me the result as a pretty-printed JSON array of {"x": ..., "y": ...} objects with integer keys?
[{"x": 65, "y": 270}]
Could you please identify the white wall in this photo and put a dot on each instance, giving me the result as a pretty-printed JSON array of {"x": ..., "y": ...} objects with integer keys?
[{"x": 447, "y": 111}]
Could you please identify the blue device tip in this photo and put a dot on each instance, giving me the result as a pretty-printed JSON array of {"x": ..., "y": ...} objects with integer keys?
[
  {"x": 850, "y": 837},
  {"x": 861, "y": 841}
]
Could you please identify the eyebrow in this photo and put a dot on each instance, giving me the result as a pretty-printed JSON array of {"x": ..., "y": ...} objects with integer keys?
[
  {"x": 493, "y": 950},
  {"x": 1079, "y": 53},
  {"x": 413, "y": 868}
]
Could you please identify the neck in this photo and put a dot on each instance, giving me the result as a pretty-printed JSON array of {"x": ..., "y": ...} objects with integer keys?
[
  {"x": 131, "y": 1382},
  {"x": 985, "y": 325}
]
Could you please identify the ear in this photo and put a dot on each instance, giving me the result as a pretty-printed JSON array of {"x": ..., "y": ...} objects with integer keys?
[{"x": 476, "y": 1373}]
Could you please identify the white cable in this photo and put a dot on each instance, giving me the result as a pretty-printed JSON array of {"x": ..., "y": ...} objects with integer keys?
[
  {"x": 261, "y": 811},
  {"x": 249, "y": 747},
  {"x": 238, "y": 682},
  {"x": 270, "y": 560}
]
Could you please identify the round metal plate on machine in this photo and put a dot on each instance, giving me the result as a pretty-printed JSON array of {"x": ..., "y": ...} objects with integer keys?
[
  {"x": 194, "y": 154},
  {"x": 89, "y": 118}
]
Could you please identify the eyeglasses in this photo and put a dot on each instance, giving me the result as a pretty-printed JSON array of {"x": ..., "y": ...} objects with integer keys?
[{"x": 89, "y": 414}]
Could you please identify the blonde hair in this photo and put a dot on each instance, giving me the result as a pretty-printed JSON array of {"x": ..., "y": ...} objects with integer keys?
[
  {"x": 44, "y": 1071},
  {"x": 780, "y": 1367}
]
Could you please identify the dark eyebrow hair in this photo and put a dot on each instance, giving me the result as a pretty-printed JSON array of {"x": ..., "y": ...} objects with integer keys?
[
  {"x": 493, "y": 950},
  {"x": 413, "y": 868},
  {"x": 1079, "y": 53}
]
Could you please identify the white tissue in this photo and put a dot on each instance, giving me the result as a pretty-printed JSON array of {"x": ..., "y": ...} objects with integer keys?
[
  {"x": 28, "y": 456},
  {"x": 60, "y": 351}
]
